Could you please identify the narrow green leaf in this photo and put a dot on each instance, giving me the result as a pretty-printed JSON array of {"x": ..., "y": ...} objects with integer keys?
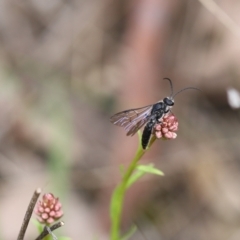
[
  {"x": 150, "y": 169},
  {"x": 130, "y": 232},
  {"x": 141, "y": 170},
  {"x": 135, "y": 176},
  {"x": 115, "y": 202},
  {"x": 119, "y": 193}
]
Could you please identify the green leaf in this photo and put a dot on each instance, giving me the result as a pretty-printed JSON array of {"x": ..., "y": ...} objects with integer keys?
[
  {"x": 130, "y": 232},
  {"x": 64, "y": 238},
  {"x": 150, "y": 169},
  {"x": 37, "y": 224},
  {"x": 141, "y": 170},
  {"x": 135, "y": 176},
  {"x": 115, "y": 202}
]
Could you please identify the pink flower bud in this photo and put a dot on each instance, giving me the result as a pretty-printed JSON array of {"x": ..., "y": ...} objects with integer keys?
[
  {"x": 167, "y": 128},
  {"x": 49, "y": 209}
]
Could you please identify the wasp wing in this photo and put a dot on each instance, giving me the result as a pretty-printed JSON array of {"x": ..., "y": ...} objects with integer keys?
[{"x": 133, "y": 119}]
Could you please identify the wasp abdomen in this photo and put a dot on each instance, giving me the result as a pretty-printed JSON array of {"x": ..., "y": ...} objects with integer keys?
[{"x": 147, "y": 134}]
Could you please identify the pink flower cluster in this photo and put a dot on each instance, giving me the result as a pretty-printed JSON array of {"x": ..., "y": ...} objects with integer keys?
[
  {"x": 49, "y": 209},
  {"x": 167, "y": 128}
]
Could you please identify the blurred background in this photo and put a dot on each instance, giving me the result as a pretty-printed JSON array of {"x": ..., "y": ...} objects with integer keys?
[{"x": 67, "y": 66}]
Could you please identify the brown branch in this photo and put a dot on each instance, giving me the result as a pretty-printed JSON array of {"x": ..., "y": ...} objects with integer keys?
[
  {"x": 46, "y": 231},
  {"x": 29, "y": 213}
]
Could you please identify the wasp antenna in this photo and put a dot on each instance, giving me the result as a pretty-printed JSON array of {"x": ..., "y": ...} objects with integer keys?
[
  {"x": 170, "y": 84},
  {"x": 188, "y": 88}
]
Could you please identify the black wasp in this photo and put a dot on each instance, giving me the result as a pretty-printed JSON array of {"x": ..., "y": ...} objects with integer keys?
[{"x": 133, "y": 119}]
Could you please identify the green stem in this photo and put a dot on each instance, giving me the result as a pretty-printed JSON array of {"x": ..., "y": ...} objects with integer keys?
[{"x": 119, "y": 193}]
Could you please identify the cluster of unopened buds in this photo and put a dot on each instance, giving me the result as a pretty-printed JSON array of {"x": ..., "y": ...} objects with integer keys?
[
  {"x": 167, "y": 128},
  {"x": 49, "y": 209}
]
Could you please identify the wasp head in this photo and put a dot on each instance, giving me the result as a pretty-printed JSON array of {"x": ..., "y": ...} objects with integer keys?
[{"x": 168, "y": 101}]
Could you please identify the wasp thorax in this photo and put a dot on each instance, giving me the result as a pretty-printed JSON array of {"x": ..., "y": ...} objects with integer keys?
[{"x": 168, "y": 101}]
